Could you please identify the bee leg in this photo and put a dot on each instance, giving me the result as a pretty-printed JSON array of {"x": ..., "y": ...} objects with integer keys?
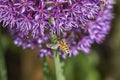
[{"x": 69, "y": 55}]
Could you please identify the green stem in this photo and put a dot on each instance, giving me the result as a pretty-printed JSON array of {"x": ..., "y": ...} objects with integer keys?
[
  {"x": 46, "y": 71},
  {"x": 58, "y": 66},
  {"x": 3, "y": 71}
]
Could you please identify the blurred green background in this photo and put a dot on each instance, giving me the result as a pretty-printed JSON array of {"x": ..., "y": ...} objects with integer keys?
[{"x": 103, "y": 63}]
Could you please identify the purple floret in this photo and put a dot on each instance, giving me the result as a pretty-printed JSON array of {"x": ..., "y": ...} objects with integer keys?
[{"x": 80, "y": 22}]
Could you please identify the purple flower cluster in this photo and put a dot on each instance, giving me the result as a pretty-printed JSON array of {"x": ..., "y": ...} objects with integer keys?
[{"x": 80, "y": 22}]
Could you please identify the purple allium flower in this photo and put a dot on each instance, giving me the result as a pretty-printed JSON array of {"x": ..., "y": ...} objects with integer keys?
[{"x": 80, "y": 22}]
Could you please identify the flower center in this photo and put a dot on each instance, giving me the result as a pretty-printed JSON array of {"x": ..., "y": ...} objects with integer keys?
[
  {"x": 40, "y": 11},
  {"x": 56, "y": 3},
  {"x": 25, "y": 3},
  {"x": 103, "y": 3}
]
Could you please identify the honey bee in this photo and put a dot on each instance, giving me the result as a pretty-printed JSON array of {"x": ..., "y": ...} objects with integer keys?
[
  {"x": 61, "y": 43},
  {"x": 63, "y": 46}
]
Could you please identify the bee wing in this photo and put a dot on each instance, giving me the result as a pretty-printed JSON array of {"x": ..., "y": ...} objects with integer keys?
[{"x": 52, "y": 46}]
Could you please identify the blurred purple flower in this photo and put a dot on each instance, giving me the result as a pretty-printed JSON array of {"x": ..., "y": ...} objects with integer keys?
[{"x": 81, "y": 22}]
